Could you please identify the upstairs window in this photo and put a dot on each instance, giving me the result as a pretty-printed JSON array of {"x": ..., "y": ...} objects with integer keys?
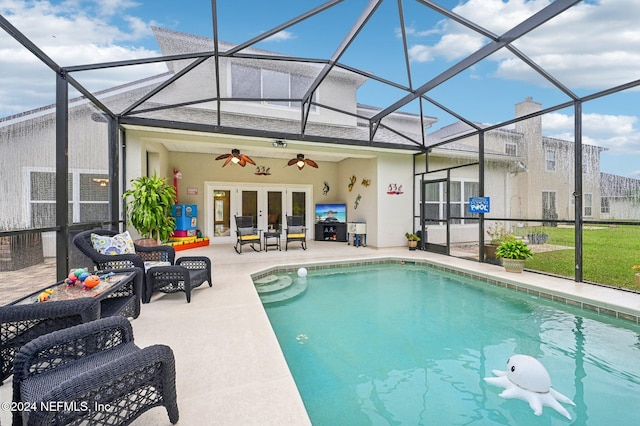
[
  {"x": 511, "y": 149},
  {"x": 260, "y": 83}
]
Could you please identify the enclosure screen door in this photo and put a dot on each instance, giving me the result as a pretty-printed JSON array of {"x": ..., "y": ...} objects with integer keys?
[{"x": 435, "y": 208}]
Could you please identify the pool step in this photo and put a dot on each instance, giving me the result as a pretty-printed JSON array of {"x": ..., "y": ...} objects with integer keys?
[
  {"x": 272, "y": 283},
  {"x": 274, "y": 288}
]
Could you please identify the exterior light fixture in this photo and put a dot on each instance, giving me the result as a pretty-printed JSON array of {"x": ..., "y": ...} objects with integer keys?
[{"x": 279, "y": 144}]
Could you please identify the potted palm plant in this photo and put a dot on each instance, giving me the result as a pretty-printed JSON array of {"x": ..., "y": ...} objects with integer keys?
[
  {"x": 513, "y": 254},
  {"x": 148, "y": 207},
  {"x": 412, "y": 240}
]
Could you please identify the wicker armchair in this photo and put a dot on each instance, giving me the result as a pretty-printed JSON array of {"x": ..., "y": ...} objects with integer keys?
[
  {"x": 296, "y": 231},
  {"x": 184, "y": 274},
  {"x": 92, "y": 374},
  {"x": 22, "y": 323},
  {"x": 104, "y": 262}
]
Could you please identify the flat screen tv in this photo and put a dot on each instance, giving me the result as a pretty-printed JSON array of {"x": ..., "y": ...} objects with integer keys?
[{"x": 331, "y": 213}]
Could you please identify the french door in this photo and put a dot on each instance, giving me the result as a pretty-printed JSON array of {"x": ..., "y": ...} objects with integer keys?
[{"x": 267, "y": 204}]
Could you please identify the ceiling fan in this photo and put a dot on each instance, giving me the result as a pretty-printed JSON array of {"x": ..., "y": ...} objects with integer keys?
[
  {"x": 236, "y": 158},
  {"x": 300, "y": 161}
]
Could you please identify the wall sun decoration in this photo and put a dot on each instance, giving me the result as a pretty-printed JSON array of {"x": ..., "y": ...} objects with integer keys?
[{"x": 366, "y": 182}]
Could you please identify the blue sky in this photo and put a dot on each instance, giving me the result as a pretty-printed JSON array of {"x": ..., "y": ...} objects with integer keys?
[{"x": 593, "y": 46}]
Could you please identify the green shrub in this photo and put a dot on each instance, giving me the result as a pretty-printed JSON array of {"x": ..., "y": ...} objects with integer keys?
[{"x": 514, "y": 249}]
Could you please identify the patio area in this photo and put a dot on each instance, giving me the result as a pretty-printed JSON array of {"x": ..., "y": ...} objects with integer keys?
[{"x": 229, "y": 367}]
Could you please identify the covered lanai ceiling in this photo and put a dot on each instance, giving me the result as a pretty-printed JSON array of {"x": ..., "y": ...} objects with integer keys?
[{"x": 352, "y": 47}]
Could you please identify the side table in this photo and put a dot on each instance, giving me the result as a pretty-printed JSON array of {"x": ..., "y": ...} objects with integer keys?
[{"x": 274, "y": 235}]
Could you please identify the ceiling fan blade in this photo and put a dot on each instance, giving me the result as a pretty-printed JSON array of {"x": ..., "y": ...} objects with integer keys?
[
  {"x": 223, "y": 156},
  {"x": 311, "y": 163},
  {"x": 292, "y": 162},
  {"x": 228, "y": 160},
  {"x": 248, "y": 159},
  {"x": 242, "y": 163}
]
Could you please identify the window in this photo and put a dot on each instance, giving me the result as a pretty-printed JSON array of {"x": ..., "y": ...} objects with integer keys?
[
  {"x": 550, "y": 160},
  {"x": 605, "y": 206},
  {"x": 588, "y": 205},
  {"x": 436, "y": 200},
  {"x": 88, "y": 197},
  {"x": 260, "y": 83},
  {"x": 511, "y": 149}
]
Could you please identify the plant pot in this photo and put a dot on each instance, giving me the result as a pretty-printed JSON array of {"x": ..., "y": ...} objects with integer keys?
[
  {"x": 513, "y": 265},
  {"x": 412, "y": 245},
  {"x": 490, "y": 254}
]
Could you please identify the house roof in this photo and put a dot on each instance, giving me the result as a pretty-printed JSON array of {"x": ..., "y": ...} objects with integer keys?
[{"x": 614, "y": 186}]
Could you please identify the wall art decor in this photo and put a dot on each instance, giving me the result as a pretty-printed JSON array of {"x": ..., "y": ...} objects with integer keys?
[
  {"x": 325, "y": 188},
  {"x": 394, "y": 189},
  {"x": 366, "y": 182},
  {"x": 357, "y": 202},
  {"x": 352, "y": 181},
  {"x": 263, "y": 171}
]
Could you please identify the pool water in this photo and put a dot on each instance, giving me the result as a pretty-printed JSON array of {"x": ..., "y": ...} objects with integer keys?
[{"x": 395, "y": 344}]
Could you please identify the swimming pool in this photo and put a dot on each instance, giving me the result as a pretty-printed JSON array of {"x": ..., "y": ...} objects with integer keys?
[{"x": 395, "y": 344}]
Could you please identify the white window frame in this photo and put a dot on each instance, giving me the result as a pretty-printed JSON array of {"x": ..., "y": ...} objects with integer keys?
[
  {"x": 264, "y": 80},
  {"x": 463, "y": 202},
  {"x": 74, "y": 201},
  {"x": 587, "y": 205},
  {"x": 550, "y": 160}
]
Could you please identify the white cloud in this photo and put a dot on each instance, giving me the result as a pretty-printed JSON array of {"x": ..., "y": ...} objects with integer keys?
[
  {"x": 616, "y": 132},
  {"x": 282, "y": 36},
  {"x": 69, "y": 34},
  {"x": 590, "y": 46}
]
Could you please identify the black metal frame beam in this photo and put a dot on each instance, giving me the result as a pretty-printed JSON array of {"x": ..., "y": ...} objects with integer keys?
[{"x": 516, "y": 32}]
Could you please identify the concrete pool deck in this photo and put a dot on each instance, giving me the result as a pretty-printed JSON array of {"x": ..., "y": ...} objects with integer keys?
[{"x": 230, "y": 369}]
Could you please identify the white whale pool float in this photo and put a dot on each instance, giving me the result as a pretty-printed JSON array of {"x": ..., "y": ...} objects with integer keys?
[{"x": 527, "y": 379}]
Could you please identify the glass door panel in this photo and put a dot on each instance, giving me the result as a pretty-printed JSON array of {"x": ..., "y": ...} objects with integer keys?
[
  {"x": 249, "y": 204},
  {"x": 221, "y": 213},
  {"x": 275, "y": 207},
  {"x": 299, "y": 204}
]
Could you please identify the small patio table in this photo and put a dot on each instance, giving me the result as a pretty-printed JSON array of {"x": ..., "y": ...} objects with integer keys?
[{"x": 275, "y": 235}]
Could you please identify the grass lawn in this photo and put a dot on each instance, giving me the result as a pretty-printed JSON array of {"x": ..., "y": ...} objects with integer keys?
[{"x": 608, "y": 254}]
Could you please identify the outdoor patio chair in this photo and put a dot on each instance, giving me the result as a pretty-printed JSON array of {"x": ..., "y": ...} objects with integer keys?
[
  {"x": 247, "y": 233},
  {"x": 19, "y": 324},
  {"x": 163, "y": 272},
  {"x": 296, "y": 231},
  {"x": 92, "y": 374}
]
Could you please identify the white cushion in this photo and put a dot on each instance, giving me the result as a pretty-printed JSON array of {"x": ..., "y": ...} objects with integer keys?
[{"x": 118, "y": 244}]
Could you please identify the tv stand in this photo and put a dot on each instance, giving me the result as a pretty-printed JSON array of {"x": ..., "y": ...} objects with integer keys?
[{"x": 331, "y": 231}]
